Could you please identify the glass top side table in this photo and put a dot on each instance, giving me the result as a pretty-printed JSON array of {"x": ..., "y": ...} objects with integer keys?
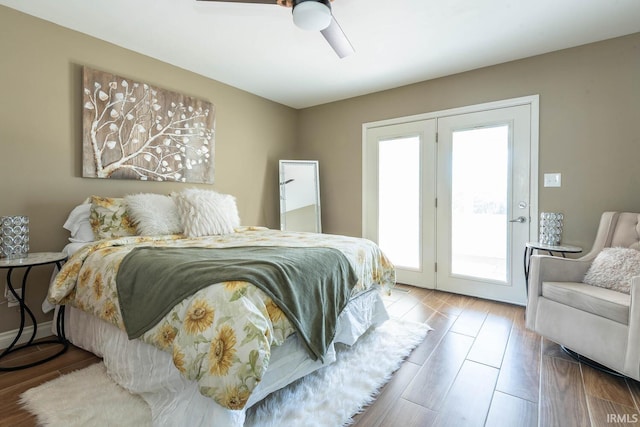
[
  {"x": 551, "y": 249},
  {"x": 29, "y": 261}
]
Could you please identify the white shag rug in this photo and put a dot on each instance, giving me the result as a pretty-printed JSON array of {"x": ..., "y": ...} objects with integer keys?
[{"x": 328, "y": 397}]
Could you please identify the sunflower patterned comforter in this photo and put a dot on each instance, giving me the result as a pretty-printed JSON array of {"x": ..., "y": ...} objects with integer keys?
[{"x": 222, "y": 335}]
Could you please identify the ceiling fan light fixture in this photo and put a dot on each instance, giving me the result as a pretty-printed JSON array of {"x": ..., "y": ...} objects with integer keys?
[{"x": 312, "y": 15}]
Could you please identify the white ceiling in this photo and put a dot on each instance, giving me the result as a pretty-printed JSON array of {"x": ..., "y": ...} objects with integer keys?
[{"x": 257, "y": 48}]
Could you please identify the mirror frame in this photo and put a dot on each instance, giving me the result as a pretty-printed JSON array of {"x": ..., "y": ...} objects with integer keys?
[{"x": 283, "y": 181}]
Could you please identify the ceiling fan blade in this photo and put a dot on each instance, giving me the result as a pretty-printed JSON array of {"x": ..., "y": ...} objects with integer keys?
[{"x": 337, "y": 39}]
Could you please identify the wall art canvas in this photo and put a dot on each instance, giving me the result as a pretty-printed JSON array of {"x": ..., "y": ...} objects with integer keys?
[{"x": 133, "y": 130}]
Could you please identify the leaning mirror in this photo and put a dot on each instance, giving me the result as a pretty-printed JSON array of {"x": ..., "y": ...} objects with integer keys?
[{"x": 300, "y": 196}]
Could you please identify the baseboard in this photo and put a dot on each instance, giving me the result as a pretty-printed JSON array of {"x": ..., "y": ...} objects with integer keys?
[{"x": 44, "y": 330}]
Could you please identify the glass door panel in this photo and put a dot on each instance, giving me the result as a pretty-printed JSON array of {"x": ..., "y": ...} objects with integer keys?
[
  {"x": 399, "y": 200},
  {"x": 479, "y": 181}
]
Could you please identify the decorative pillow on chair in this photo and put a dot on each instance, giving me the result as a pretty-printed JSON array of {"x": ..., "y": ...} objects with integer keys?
[
  {"x": 206, "y": 213},
  {"x": 109, "y": 218},
  {"x": 153, "y": 214},
  {"x": 614, "y": 268}
]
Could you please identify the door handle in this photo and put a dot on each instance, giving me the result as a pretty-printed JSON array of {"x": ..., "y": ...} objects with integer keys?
[{"x": 520, "y": 219}]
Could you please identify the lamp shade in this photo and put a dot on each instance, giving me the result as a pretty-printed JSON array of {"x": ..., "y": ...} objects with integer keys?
[{"x": 312, "y": 15}]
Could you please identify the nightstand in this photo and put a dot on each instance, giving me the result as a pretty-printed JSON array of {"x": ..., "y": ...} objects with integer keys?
[{"x": 29, "y": 261}]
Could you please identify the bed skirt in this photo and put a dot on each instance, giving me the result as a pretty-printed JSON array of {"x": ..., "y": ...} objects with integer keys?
[{"x": 176, "y": 401}]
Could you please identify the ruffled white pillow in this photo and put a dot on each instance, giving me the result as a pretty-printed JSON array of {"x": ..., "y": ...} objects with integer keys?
[
  {"x": 206, "y": 212},
  {"x": 153, "y": 214}
]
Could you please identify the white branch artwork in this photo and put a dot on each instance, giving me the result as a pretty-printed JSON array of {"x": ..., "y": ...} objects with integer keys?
[{"x": 135, "y": 131}]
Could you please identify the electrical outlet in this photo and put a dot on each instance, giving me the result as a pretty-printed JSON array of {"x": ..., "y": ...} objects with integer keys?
[{"x": 11, "y": 299}]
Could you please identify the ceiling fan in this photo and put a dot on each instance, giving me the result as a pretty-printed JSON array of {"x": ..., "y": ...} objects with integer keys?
[{"x": 312, "y": 15}]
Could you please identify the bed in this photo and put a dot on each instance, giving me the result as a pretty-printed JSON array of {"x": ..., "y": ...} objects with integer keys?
[{"x": 212, "y": 352}]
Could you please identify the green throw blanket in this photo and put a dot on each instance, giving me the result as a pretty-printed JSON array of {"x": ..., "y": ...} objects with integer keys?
[{"x": 310, "y": 285}]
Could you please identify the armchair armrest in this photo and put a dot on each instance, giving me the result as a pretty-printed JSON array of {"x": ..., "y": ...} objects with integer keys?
[
  {"x": 632, "y": 358},
  {"x": 546, "y": 268}
]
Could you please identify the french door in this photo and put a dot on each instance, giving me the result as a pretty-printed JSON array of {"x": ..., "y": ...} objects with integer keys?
[
  {"x": 400, "y": 171},
  {"x": 449, "y": 197}
]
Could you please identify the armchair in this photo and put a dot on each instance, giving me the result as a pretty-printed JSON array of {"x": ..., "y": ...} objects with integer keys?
[{"x": 598, "y": 323}]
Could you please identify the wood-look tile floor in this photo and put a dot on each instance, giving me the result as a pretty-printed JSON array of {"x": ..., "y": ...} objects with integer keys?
[{"x": 478, "y": 367}]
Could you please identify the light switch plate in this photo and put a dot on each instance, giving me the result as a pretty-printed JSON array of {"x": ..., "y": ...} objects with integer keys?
[{"x": 552, "y": 179}]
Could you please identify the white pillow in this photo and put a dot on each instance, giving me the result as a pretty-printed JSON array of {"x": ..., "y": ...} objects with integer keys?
[
  {"x": 78, "y": 214},
  {"x": 78, "y": 224},
  {"x": 613, "y": 269},
  {"x": 206, "y": 213},
  {"x": 153, "y": 214},
  {"x": 83, "y": 234}
]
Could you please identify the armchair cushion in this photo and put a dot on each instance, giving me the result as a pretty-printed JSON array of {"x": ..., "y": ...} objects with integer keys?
[
  {"x": 599, "y": 301},
  {"x": 614, "y": 268}
]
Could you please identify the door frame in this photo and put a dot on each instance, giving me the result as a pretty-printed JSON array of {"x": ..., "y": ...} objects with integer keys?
[{"x": 532, "y": 100}]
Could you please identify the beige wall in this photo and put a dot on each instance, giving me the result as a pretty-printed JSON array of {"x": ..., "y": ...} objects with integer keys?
[
  {"x": 589, "y": 131},
  {"x": 41, "y": 141}
]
